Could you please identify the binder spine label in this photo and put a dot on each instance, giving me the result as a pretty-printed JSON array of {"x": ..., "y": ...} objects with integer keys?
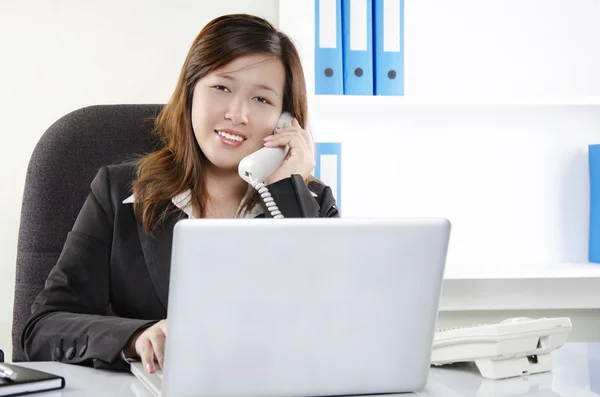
[
  {"x": 327, "y": 29},
  {"x": 358, "y": 25},
  {"x": 391, "y": 25}
]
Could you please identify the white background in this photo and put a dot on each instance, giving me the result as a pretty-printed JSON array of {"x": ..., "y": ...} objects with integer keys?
[{"x": 58, "y": 56}]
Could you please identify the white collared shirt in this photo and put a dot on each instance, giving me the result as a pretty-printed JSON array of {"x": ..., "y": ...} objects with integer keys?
[{"x": 183, "y": 201}]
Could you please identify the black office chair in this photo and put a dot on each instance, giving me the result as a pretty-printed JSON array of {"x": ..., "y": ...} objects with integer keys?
[{"x": 63, "y": 163}]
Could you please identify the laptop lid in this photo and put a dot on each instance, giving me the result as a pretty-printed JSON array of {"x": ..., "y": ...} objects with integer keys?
[{"x": 302, "y": 307}]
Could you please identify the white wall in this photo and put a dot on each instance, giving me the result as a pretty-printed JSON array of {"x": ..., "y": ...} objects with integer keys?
[{"x": 62, "y": 55}]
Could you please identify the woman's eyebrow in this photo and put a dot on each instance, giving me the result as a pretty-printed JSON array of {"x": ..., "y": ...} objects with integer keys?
[{"x": 263, "y": 86}]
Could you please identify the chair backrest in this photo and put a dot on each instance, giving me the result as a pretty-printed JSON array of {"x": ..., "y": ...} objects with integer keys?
[{"x": 61, "y": 168}]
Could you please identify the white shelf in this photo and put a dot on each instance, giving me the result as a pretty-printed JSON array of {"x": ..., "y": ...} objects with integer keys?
[
  {"x": 553, "y": 271},
  {"x": 563, "y": 286},
  {"x": 454, "y": 101}
]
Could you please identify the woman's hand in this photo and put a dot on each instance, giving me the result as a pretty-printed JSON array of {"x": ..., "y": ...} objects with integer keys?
[
  {"x": 300, "y": 158},
  {"x": 149, "y": 343}
]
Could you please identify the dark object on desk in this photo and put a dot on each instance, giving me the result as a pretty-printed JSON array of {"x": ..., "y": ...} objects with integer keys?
[
  {"x": 16, "y": 380},
  {"x": 63, "y": 163},
  {"x": 1, "y": 356}
]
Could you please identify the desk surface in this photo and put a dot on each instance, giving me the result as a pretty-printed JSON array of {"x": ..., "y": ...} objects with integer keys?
[{"x": 576, "y": 374}]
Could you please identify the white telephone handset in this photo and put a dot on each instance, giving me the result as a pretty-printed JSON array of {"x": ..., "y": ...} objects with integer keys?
[{"x": 258, "y": 166}]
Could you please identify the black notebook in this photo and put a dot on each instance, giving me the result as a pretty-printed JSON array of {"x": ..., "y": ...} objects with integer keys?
[{"x": 24, "y": 380}]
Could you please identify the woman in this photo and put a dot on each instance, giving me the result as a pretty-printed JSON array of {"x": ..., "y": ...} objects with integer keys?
[{"x": 105, "y": 300}]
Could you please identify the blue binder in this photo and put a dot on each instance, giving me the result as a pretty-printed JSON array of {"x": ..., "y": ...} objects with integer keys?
[
  {"x": 594, "y": 230},
  {"x": 328, "y": 167},
  {"x": 389, "y": 47},
  {"x": 357, "y": 42},
  {"x": 329, "y": 78}
]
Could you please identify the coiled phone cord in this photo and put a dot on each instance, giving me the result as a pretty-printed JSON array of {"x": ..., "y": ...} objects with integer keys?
[{"x": 266, "y": 197}]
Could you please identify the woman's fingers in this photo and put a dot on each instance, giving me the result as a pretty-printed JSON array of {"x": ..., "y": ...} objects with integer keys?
[
  {"x": 304, "y": 133},
  {"x": 146, "y": 352},
  {"x": 293, "y": 135},
  {"x": 158, "y": 345},
  {"x": 300, "y": 159},
  {"x": 163, "y": 326},
  {"x": 291, "y": 138},
  {"x": 151, "y": 344}
]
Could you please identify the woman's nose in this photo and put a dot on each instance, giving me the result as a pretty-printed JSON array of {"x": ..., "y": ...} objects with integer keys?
[{"x": 237, "y": 112}]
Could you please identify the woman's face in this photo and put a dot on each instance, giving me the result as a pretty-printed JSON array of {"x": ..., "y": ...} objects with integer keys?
[{"x": 236, "y": 106}]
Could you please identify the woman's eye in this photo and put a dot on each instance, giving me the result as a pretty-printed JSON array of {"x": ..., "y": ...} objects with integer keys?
[
  {"x": 221, "y": 88},
  {"x": 261, "y": 99}
]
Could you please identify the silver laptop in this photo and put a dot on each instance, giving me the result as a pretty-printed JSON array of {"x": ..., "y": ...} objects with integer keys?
[{"x": 301, "y": 307}]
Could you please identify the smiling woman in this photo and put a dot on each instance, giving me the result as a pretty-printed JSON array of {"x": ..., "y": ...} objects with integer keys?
[
  {"x": 224, "y": 100},
  {"x": 238, "y": 77}
]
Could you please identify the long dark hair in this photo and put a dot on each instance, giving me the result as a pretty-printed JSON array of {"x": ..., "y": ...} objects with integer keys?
[{"x": 180, "y": 164}]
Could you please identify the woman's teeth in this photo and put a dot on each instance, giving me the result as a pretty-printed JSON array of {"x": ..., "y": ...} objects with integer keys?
[{"x": 231, "y": 137}]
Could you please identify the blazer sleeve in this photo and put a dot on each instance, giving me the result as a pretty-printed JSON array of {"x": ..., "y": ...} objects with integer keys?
[
  {"x": 68, "y": 321},
  {"x": 295, "y": 200}
]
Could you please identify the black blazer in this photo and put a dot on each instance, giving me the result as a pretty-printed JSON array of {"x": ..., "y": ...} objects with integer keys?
[{"x": 112, "y": 278}]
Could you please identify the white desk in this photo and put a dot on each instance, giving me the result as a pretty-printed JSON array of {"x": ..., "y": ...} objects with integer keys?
[{"x": 576, "y": 374}]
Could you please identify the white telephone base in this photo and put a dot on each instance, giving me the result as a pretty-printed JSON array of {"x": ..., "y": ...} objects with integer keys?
[
  {"x": 508, "y": 368},
  {"x": 514, "y": 347}
]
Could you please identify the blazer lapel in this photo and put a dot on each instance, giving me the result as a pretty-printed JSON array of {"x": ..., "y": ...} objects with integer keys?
[{"x": 157, "y": 254}]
